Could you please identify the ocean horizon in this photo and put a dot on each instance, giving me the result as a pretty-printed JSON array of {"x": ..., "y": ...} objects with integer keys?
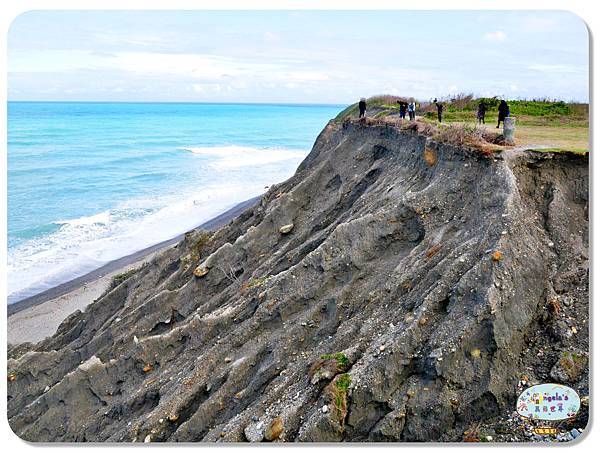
[{"x": 90, "y": 182}]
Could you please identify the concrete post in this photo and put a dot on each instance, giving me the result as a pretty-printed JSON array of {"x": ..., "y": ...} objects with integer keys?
[{"x": 509, "y": 129}]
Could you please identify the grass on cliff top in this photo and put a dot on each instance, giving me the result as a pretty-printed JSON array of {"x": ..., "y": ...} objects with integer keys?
[
  {"x": 544, "y": 124},
  {"x": 377, "y": 106},
  {"x": 491, "y": 116},
  {"x": 557, "y": 139},
  {"x": 547, "y": 138},
  {"x": 461, "y": 107}
]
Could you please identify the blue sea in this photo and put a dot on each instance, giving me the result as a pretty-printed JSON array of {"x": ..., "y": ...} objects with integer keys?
[{"x": 92, "y": 182}]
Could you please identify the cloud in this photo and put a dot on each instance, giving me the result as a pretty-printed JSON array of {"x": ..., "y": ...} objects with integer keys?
[
  {"x": 305, "y": 76},
  {"x": 270, "y": 36},
  {"x": 98, "y": 53},
  {"x": 195, "y": 65},
  {"x": 540, "y": 24},
  {"x": 125, "y": 37},
  {"x": 208, "y": 88},
  {"x": 212, "y": 68},
  {"x": 251, "y": 57},
  {"x": 561, "y": 68},
  {"x": 495, "y": 36}
]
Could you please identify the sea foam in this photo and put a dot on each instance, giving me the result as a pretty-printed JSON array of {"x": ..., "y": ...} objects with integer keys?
[
  {"x": 102, "y": 218},
  {"x": 84, "y": 244},
  {"x": 234, "y": 156}
]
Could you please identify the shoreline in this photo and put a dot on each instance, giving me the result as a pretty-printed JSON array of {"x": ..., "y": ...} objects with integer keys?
[{"x": 30, "y": 318}]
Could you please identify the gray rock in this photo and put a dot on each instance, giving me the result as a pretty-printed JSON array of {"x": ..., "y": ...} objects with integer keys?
[
  {"x": 285, "y": 229},
  {"x": 372, "y": 261},
  {"x": 254, "y": 432}
]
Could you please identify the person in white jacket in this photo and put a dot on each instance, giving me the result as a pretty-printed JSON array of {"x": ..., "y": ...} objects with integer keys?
[{"x": 412, "y": 108}]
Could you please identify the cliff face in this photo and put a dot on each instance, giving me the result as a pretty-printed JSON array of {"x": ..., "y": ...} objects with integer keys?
[{"x": 414, "y": 285}]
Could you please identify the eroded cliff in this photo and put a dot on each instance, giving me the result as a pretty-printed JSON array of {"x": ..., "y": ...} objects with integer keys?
[{"x": 412, "y": 288}]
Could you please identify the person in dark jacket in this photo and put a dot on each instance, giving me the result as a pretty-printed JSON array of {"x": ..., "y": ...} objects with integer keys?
[
  {"x": 440, "y": 109},
  {"x": 481, "y": 108},
  {"x": 503, "y": 112},
  {"x": 362, "y": 107},
  {"x": 403, "y": 108}
]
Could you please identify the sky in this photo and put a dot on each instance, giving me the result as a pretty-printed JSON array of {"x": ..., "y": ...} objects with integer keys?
[{"x": 328, "y": 57}]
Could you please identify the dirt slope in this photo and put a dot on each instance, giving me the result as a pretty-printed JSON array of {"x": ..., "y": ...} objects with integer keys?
[{"x": 431, "y": 275}]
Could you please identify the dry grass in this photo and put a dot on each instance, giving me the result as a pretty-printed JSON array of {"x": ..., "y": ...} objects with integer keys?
[
  {"x": 472, "y": 434},
  {"x": 489, "y": 140},
  {"x": 575, "y": 139},
  {"x": 458, "y": 134},
  {"x": 384, "y": 99},
  {"x": 463, "y": 134},
  {"x": 548, "y": 138},
  {"x": 202, "y": 241},
  {"x": 545, "y": 124},
  {"x": 459, "y": 101},
  {"x": 421, "y": 127}
]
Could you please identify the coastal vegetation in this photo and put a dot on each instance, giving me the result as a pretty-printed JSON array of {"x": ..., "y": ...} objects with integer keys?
[
  {"x": 338, "y": 390},
  {"x": 534, "y": 112},
  {"x": 339, "y": 357},
  {"x": 121, "y": 277},
  {"x": 544, "y": 124},
  {"x": 328, "y": 366}
]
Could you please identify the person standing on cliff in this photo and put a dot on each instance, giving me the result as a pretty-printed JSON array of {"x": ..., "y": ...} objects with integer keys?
[
  {"x": 362, "y": 107},
  {"x": 403, "y": 107},
  {"x": 440, "y": 108},
  {"x": 481, "y": 113},
  {"x": 412, "y": 108},
  {"x": 503, "y": 112}
]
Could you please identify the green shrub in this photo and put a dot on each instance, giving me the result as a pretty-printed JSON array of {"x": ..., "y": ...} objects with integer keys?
[
  {"x": 339, "y": 397},
  {"x": 340, "y": 357},
  {"x": 120, "y": 278}
]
